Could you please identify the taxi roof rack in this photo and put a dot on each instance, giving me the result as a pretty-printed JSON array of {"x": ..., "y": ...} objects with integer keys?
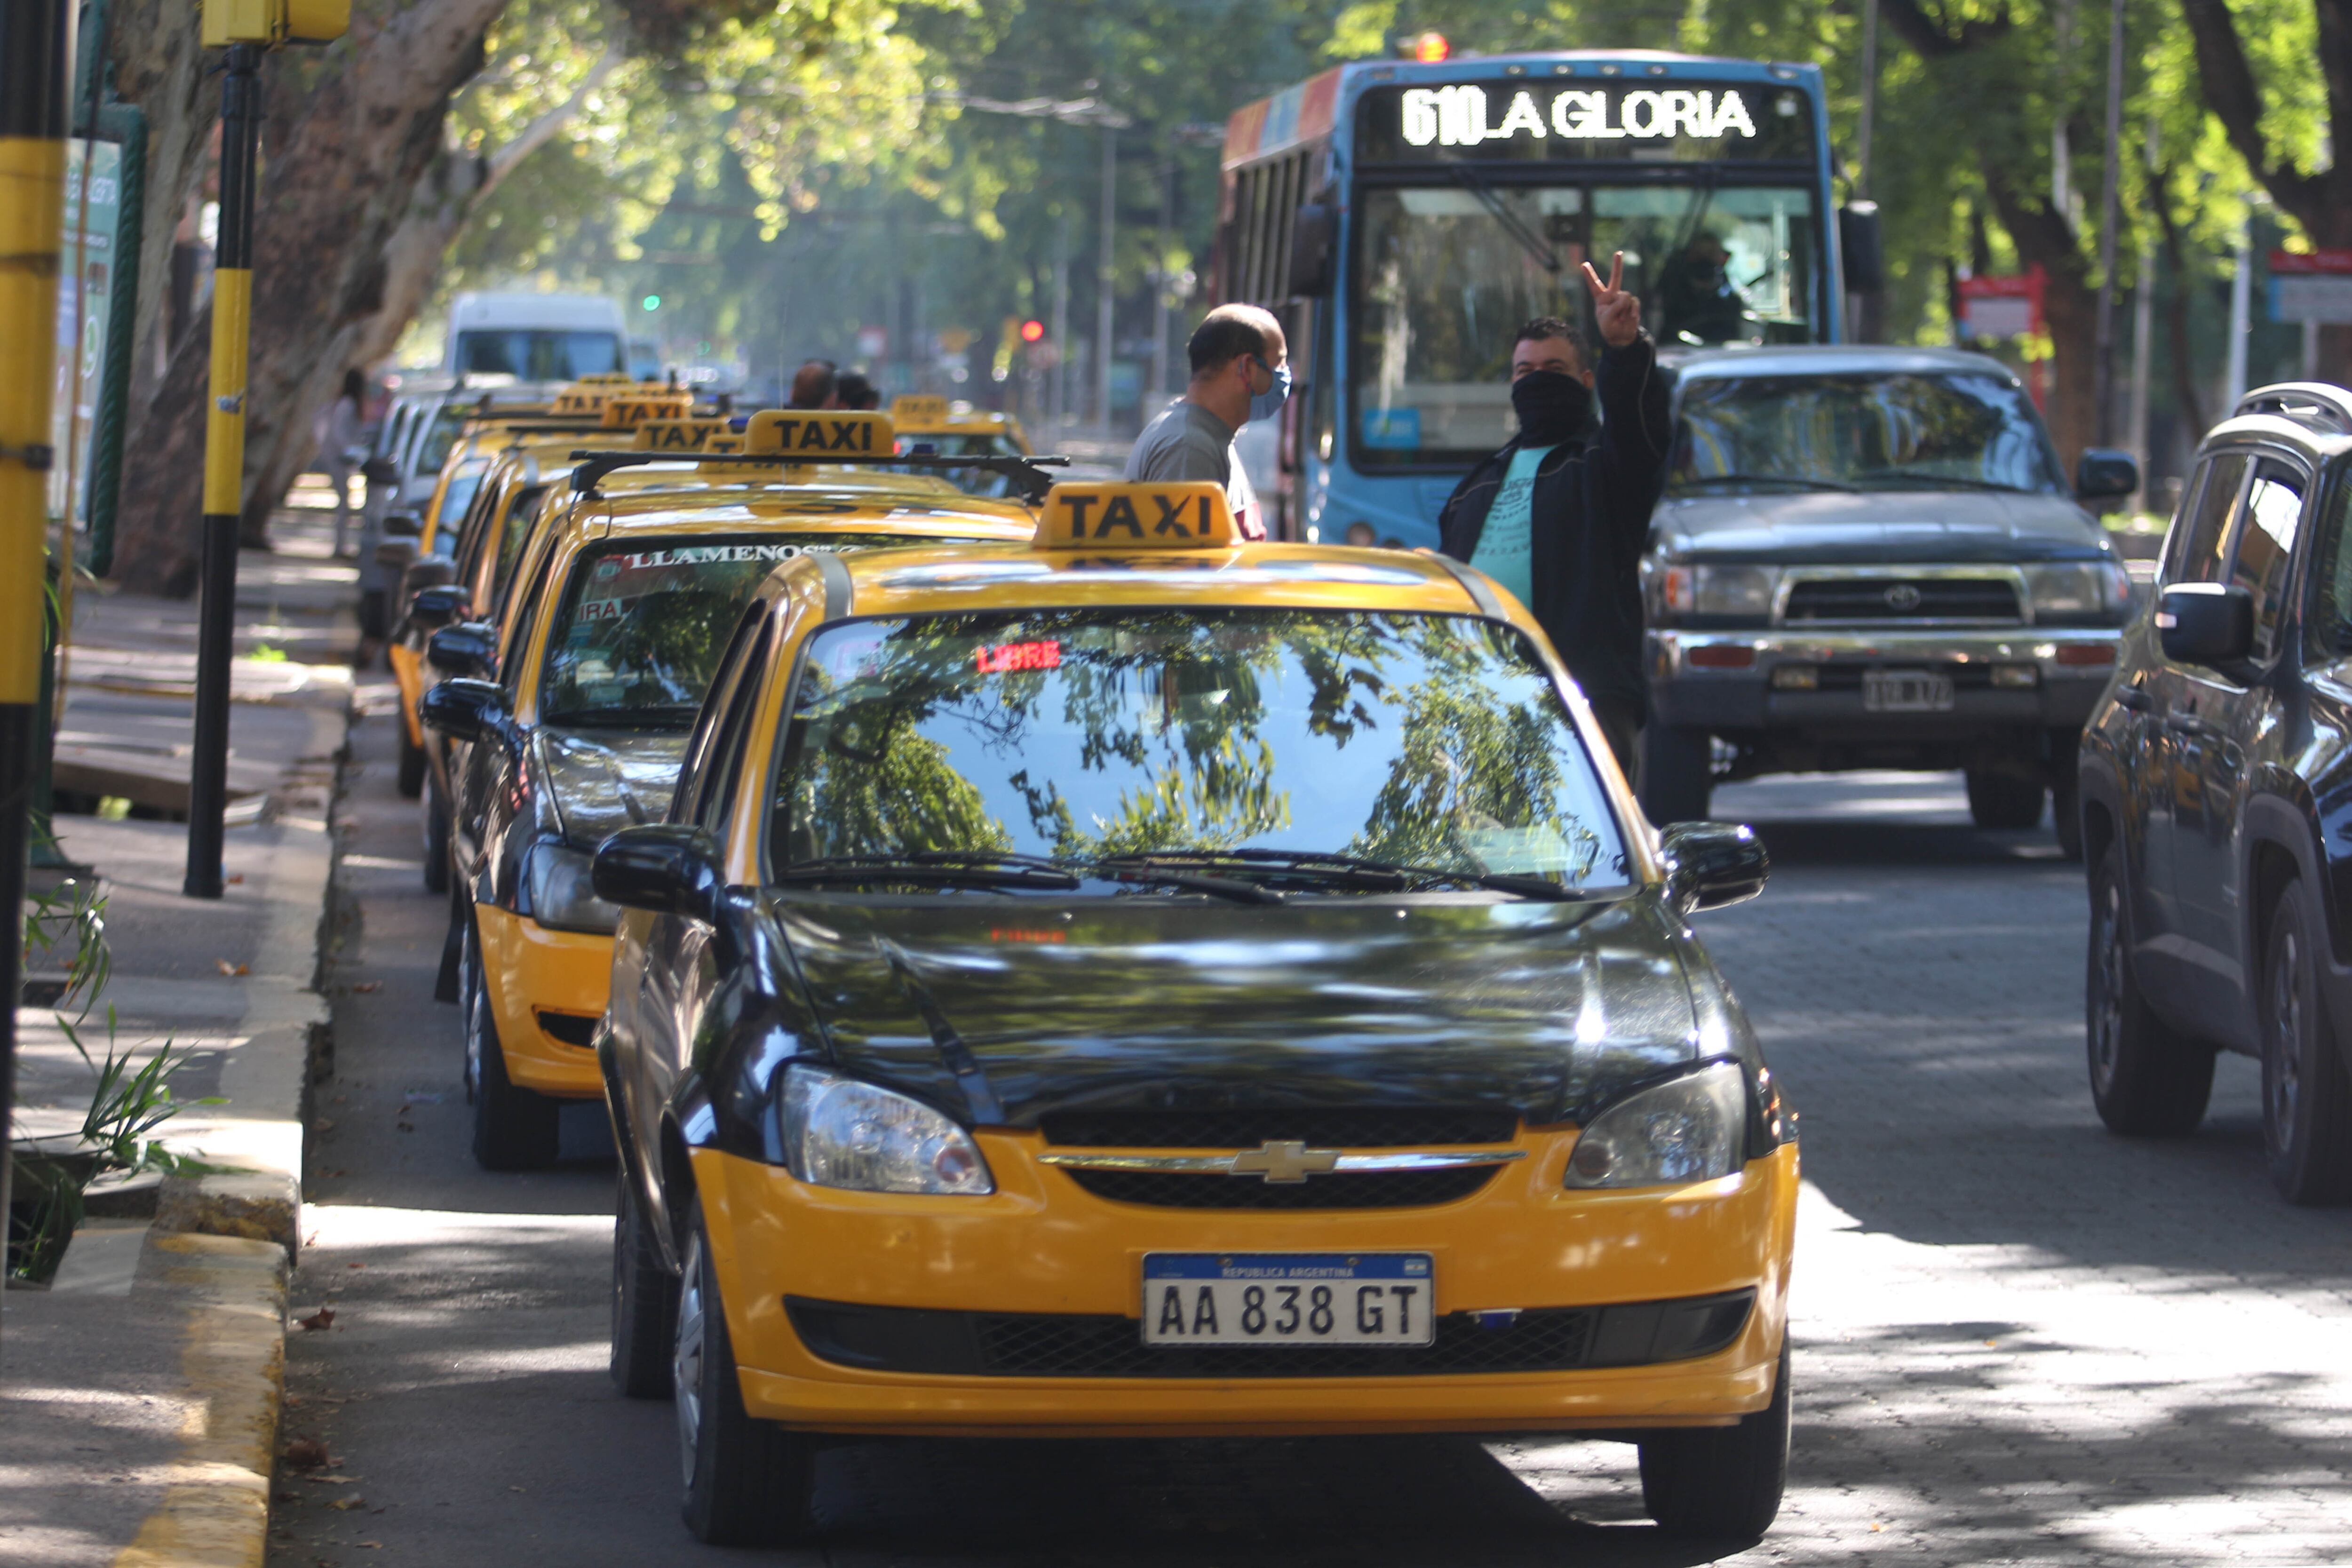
[{"x": 1028, "y": 473}]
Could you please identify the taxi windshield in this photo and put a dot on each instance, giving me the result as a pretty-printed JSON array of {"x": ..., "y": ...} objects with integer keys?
[
  {"x": 1433, "y": 742},
  {"x": 1957, "y": 430},
  {"x": 642, "y": 624}
]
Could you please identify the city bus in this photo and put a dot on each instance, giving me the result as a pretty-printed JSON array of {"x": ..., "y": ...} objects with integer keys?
[{"x": 1404, "y": 218}]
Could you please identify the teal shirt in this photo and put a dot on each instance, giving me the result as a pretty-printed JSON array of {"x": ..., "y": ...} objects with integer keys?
[{"x": 1503, "y": 552}]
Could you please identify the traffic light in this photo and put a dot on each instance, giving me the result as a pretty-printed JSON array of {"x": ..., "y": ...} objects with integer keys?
[
  {"x": 270, "y": 23},
  {"x": 653, "y": 301},
  {"x": 1033, "y": 332}
]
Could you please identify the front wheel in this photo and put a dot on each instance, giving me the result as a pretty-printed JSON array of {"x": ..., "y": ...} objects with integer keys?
[
  {"x": 2306, "y": 1098},
  {"x": 1721, "y": 1483},
  {"x": 2003, "y": 801},
  {"x": 2147, "y": 1079},
  {"x": 748, "y": 1482},
  {"x": 514, "y": 1130},
  {"x": 412, "y": 762},
  {"x": 434, "y": 812},
  {"x": 644, "y": 1301},
  {"x": 1677, "y": 774}
]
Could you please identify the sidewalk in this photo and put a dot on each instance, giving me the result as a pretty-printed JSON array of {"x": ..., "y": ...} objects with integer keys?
[{"x": 139, "y": 1393}]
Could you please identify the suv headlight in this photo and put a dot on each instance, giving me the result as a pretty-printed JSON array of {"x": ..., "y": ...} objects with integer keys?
[
  {"x": 1688, "y": 1128},
  {"x": 560, "y": 897},
  {"x": 1742, "y": 591},
  {"x": 839, "y": 1133},
  {"x": 2096, "y": 591}
]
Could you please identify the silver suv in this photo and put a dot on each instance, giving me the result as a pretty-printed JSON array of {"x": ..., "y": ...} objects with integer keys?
[{"x": 1872, "y": 558}]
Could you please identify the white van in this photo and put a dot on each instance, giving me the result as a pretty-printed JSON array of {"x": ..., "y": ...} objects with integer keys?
[{"x": 534, "y": 337}]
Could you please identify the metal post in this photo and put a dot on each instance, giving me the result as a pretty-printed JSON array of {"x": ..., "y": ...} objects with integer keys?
[
  {"x": 1062, "y": 324},
  {"x": 1159, "y": 388},
  {"x": 1103, "y": 279},
  {"x": 1864, "y": 125},
  {"x": 223, "y": 467},
  {"x": 2104, "y": 361},
  {"x": 32, "y": 232},
  {"x": 2242, "y": 291},
  {"x": 2144, "y": 337}
]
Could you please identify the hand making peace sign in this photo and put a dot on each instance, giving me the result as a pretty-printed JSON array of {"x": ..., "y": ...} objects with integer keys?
[{"x": 1618, "y": 312}]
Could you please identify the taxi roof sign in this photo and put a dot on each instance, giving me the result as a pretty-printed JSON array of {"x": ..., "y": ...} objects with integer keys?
[
  {"x": 626, "y": 413},
  {"x": 1190, "y": 515},
  {"x": 703, "y": 432},
  {"x": 812, "y": 434},
  {"x": 916, "y": 409}
]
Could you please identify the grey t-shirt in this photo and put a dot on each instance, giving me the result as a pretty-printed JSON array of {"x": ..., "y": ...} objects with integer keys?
[{"x": 1188, "y": 442}]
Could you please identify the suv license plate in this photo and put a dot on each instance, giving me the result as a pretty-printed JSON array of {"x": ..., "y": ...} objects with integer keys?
[
  {"x": 1288, "y": 1298},
  {"x": 1906, "y": 691}
]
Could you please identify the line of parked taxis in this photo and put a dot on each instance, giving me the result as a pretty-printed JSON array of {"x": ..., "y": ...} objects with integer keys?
[{"x": 1055, "y": 968}]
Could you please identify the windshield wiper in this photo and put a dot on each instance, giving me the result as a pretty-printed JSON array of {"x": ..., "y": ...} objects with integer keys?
[
  {"x": 1798, "y": 480},
  {"x": 1372, "y": 876},
  {"x": 941, "y": 868},
  {"x": 1538, "y": 249},
  {"x": 1953, "y": 482},
  {"x": 1160, "y": 869}
]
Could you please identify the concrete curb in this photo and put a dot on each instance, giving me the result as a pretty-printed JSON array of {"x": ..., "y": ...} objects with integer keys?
[{"x": 214, "y": 1513}]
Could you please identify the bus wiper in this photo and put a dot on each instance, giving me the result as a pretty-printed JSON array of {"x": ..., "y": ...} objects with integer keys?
[
  {"x": 1164, "y": 871},
  {"x": 939, "y": 868},
  {"x": 1538, "y": 249},
  {"x": 1799, "y": 481},
  {"x": 1954, "y": 481}
]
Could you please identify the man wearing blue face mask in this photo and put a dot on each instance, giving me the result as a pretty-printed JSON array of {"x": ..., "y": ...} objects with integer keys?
[
  {"x": 1560, "y": 515},
  {"x": 1241, "y": 372}
]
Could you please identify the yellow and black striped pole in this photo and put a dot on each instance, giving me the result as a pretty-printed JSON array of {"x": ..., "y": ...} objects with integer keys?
[
  {"x": 32, "y": 230},
  {"x": 223, "y": 467}
]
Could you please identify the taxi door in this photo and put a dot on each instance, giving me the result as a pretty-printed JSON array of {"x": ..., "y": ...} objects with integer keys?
[{"x": 2222, "y": 716}]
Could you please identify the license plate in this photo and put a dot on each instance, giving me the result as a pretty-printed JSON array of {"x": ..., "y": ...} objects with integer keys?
[
  {"x": 1288, "y": 1298},
  {"x": 1906, "y": 691}
]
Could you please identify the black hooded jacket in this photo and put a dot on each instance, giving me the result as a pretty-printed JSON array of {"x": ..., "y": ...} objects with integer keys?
[{"x": 1586, "y": 524}]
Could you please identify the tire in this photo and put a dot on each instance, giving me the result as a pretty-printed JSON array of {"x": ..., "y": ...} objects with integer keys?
[
  {"x": 1721, "y": 1483},
  {"x": 514, "y": 1128},
  {"x": 2147, "y": 1079},
  {"x": 435, "y": 815},
  {"x": 2066, "y": 814},
  {"x": 2306, "y": 1097},
  {"x": 645, "y": 1302},
  {"x": 1677, "y": 774},
  {"x": 412, "y": 764},
  {"x": 748, "y": 1483},
  {"x": 2004, "y": 801}
]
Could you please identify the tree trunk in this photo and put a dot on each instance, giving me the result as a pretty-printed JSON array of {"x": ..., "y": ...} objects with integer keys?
[
  {"x": 2069, "y": 310},
  {"x": 359, "y": 194},
  {"x": 151, "y": 44}
]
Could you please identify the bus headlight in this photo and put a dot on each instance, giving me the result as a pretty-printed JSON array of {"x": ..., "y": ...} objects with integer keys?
[{"x": 1688, "y": 1128}]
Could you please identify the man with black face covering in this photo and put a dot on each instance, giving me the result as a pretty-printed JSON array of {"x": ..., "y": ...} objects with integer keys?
[{"x": 1558, "y": 516}]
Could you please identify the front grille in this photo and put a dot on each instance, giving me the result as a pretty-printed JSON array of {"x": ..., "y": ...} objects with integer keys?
[
  {"x": 1066, "y": 1344},
  {"x": 569, "y": 1028},
  {"x": 1899, "y": 599},
  {"x": 1353, "y": 1190},
  {"x": 1317, "y": 1127}
]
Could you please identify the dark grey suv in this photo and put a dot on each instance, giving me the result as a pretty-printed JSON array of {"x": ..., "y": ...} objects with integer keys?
[{"x": 1872, "y": 558}]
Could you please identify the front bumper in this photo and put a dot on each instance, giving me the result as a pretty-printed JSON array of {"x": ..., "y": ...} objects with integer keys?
[
  {"x": 1042, "y": 1245},
  {"x": 537, "y": 978},
  {"x": 1723, "y": 680}
]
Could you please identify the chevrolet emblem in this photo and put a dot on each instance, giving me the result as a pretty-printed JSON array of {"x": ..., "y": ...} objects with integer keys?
[{"x": 1288, "y": 1164}]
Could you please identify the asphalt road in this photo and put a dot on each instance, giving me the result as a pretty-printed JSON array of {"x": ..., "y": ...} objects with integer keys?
[{"x": 2017, "y": 1339}]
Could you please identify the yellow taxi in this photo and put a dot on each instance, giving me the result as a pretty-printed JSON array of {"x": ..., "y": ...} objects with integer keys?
[
  {"x": 619, "y": 613},
  {"x": 930, "y": 424},
  {"x": 1143, "y": 984}
]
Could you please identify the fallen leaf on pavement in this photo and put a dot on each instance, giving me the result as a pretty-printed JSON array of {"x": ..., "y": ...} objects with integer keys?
[
  {"x": 325, "y": 1318},
  {"x": 364, "y": 986},
  {"x": 232, "y": 969},
  {"x": 322, "y": 1124},
  {"x": 345, "y": 1504},
  {"x": 233, "y": 882},
  {"x": 355, "y": 1266},
  {"x": 306, "y": 1453}
]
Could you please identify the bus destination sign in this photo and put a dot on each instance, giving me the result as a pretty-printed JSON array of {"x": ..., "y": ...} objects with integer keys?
[{"x": 1504, "y": 121}]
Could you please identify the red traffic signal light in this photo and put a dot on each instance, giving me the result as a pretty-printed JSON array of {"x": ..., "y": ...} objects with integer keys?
[{"x": 1033, "y": 332}]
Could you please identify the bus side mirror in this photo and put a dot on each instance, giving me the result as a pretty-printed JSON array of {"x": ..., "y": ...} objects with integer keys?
[
  {"x": 1859, "y": 251},
  {"x": 1314, "y": 234}
]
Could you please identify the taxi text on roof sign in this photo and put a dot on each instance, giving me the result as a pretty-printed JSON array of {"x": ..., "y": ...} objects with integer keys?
[
  {"x": 918, "y": 410},
  {"x": 628, "y": 412},
  {"x": 591, "y": 393},
  {"x": 817, "y": 433},
  {"x": 1190, "y": 516},
  {"x": 710, "y": 432}
]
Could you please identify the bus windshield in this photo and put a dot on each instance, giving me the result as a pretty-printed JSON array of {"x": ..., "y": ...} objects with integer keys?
[{"x": 1445, "y": 274}]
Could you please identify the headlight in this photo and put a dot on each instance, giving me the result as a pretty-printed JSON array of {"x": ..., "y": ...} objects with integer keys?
[
  {"x": 2078, "y": 591},
  {"x": 1743, "y": 591},
  {"x": 839, "y": 1133},
  {"x": 1687, "y": 1129},
  {"x": 559, "y": 894}
]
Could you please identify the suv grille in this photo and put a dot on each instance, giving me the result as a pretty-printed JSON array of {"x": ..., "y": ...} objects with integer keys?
[
  {"x": 1816, "y": 599},
  {"x": 1061, "y": 1344},
  {"x": 1350, "y": 1190},
  {"x": 1317, "y": 1127}
]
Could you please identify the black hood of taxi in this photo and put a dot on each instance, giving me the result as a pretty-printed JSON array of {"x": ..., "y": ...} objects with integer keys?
[
  {"x": 604, "y": 780},
  {"x": 1005, "y": 1010}
]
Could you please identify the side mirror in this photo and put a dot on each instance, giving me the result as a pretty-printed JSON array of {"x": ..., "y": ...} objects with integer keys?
[
  {"x": 395, "y": 554},
  {"x": 462, "y": 709},
  {"x": 402, "y": 525},
  {"x": 663, "y": 867},
  {"x": 468, "y": 649},
  {"x": 380, "y": 471},
  {"x": 431, "y": 572},
  {"x": 436, "y": 606},
  {"x": 1859, "y": 253},
  {"x": 2211, "y": 624},
  {"x": 1313, "y": 235},
  {"x": 2104, "y": 474},
  {"x": 1711, "y": 864}
]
